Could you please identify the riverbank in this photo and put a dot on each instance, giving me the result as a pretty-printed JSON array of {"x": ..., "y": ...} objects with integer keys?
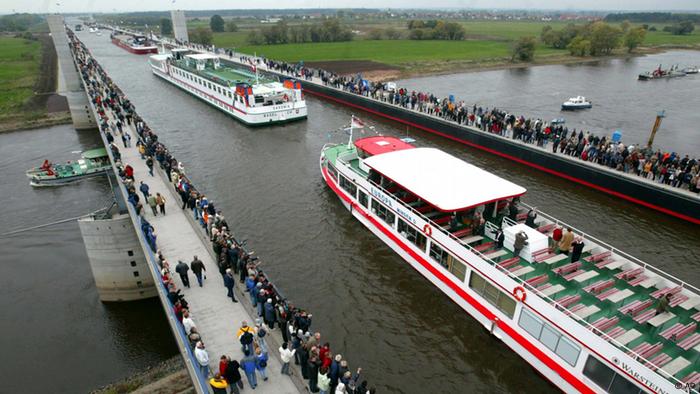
[
  {"x": 29, "y": 75},
  {"x": 167, "y": 377},
  {"x": 385, "y": 72}
]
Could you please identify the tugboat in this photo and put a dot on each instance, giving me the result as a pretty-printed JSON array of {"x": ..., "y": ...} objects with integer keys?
[
  {"x": 92, "y": 163},
  {"x": 574, "y": 103},
  {"x": 594, "y": 321},
  {"x": 659, "y": 73}
]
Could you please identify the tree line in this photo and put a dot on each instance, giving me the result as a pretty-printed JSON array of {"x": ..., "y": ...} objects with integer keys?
[
  {"x": 594, "y": 39},
  {"x": 435, "y": 30},
  {"x": 330, "y": 30},
  {"x": 653, "y": 17},
  {"x": 19, "y": 22}
]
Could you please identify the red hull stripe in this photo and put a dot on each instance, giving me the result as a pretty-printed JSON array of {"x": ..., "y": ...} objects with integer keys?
[
  {"x": 521, "y": 161},
  {"x": 529, "y": 346}
]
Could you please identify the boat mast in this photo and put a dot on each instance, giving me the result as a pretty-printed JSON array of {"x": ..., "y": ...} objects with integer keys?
[
  {"x": 657, "y": 124},
  {"x": 352, "y": 121}
]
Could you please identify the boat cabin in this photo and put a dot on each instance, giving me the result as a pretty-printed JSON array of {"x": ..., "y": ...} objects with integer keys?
[
  {"x": 200, "y": 61},
  {"x": 448, "y": 191}
]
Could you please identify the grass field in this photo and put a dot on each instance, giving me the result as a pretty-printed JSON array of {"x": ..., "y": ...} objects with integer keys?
[
  {"x": 19, "y": 70},
  {"x": 396, "y": 52},
  {"x": 488, "y": 43}
]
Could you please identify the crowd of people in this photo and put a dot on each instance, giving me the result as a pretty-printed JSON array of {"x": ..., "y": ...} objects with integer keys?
[
  {"x": 323, "y": 371},
  {"x": 656, "y": 165}
]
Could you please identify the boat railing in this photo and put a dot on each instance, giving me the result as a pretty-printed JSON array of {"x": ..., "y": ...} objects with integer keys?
[
  {"x": 616, "y": 251},
  {"x": 517, "y": 279}
]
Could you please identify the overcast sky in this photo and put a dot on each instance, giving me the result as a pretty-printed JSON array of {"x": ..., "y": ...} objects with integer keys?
[{"x": 43, "y": 6}]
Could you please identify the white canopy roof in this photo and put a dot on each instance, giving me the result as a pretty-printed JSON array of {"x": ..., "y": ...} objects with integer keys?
[
  {"x": 201, "y": 56},
  {"x": 442, "y": 180}
]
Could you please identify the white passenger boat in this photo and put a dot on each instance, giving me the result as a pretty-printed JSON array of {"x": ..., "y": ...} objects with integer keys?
[
  {"x": 589, "y": 326},
  {"x": 574, "y": 103},
  {"x": 243, "y": 94}
]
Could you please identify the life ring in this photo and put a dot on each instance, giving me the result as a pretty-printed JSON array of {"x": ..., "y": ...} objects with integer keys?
[
  {"x": 428, "y": 230},
  {"x": 286, "y": 98},
  {"x": 519, "y": 293}
]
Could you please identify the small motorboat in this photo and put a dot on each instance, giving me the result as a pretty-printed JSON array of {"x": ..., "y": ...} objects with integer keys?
[
  {"x": 691, "y": 70},
  {"x": 659, "y": 73},
  {"x": 574, "y": 103},
  {"x": 92, "y": 163}
]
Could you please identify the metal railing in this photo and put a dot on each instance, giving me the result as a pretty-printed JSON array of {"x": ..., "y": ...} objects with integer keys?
[{"x": 202, "y": 385}]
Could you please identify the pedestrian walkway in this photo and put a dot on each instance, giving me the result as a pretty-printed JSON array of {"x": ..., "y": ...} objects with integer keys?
[{"x": 216, "y": 317}]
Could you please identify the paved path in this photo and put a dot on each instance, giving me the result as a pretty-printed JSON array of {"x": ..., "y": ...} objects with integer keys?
[{"x": 216, "y": 316}]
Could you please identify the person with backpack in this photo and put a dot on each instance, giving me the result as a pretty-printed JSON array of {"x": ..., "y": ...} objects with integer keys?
[
  {"x": 245, "y": 336},
  {"x": 149, "y": 164},
  {"x": 248, "y": 365},
  {"x": 260, "y": 333},
  {"x": 261, "y": 360}
]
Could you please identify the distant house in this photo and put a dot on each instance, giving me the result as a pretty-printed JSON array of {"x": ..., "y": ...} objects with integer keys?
[{"x": 271, "y": 20}]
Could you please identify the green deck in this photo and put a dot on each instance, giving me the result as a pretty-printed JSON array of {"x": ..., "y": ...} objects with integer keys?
[
  {"x": 608, "y": 309},
  {"x": 226, "y": 74}
]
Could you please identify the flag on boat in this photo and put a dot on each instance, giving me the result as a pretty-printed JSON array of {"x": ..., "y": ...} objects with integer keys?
[
  {"x": 357, "y": 123},
  {"x": 252, "y": 67}
]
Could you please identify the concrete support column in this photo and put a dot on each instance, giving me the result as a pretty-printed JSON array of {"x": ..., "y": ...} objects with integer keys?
[
  {"x": 179, "y": 25},
  {"x": 72, "y": 89},
  {"x": 116, "y": 258}
]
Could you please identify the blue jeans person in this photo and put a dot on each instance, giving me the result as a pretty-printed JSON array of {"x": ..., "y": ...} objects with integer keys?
[
  {"x": 204, "y": 369},
  {"x": 285, "y": 369},
  {"x": 263, "y": 373},
  {"x": 199, "y": 278},
  {"x": 252, "y": 379}
]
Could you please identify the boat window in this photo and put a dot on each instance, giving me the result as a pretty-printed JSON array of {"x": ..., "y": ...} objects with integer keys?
[
  {"x": 364, "y": 200},
  {"x": 259, "y": 99},
  {"x": 491, "y": 294},
  {"x": 607, "y": 379},
  {"x": 549, "y": 336},
  {"x": 383, "y": 212},
  {"x": 332, "y": 171},
  {"x": 412, "y": 234},
  {"x": 348, "y": 186},
  {"x": 456, "y": 267}
]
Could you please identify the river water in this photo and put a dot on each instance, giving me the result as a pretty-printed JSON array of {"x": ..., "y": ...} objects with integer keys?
[
  {"x": 368, "y": 303},
  {"x": 620, "y": 101}
]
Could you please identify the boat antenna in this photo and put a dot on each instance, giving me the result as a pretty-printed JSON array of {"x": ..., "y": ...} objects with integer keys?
[
  {"x": 352, "y": 121},
  {"x": 255, "y": 64}
]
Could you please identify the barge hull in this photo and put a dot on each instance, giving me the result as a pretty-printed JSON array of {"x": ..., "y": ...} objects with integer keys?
[{"x": 619, "y": 185}]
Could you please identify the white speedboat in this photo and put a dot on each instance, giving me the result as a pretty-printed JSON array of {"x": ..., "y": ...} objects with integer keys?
[
  {"x": 574, "y": 103},
  {"x": 691, "y": 70}
]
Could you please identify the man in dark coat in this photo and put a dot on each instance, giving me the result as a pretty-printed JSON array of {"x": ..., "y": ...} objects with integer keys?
[
  {"x": 182, "y": 269},
  {"x": 232, "y": 375},
  {"x": 198, "y": 267},
  {"x": 229, "y": 282}
]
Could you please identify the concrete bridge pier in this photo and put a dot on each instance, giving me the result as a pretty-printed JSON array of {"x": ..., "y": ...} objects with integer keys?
[
  {"x": 116, "y": 258},
  {"x": 74, "y": 92}
]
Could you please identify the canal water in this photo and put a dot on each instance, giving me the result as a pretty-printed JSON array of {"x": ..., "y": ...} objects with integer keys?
[
  {"x": 368, "y": 303},
  {"x": 56, "y": 334},
  {"x": 620, "y": 101}
]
